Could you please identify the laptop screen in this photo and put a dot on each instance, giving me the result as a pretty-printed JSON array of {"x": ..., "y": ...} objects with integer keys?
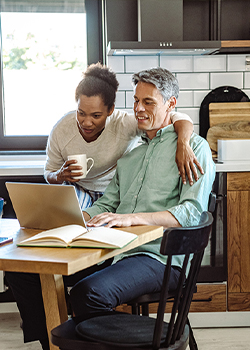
[{"x": 45, "y": 206}]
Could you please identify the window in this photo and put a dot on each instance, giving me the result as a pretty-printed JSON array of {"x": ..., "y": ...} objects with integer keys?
[{"x": 43, "y": 54}]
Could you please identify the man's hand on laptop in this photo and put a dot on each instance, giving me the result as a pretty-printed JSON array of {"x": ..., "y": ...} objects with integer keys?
[
  {"x": 163, "y": 218},
  {"x": 111, "y": 219}
]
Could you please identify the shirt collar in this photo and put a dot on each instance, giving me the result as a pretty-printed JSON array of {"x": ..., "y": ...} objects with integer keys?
[{"x": 162, "y": 133}]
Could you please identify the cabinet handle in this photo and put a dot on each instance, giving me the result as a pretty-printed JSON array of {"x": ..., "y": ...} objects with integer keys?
[{"x": 201, "y": 300}]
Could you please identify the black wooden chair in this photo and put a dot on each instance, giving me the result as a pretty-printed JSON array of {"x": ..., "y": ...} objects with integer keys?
[
  {"x": 140, "y": 305},
  {"x": 127, "y": 331}
]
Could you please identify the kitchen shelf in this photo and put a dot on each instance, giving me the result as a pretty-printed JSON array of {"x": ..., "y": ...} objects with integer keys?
[{"x": 235, "y": 43}]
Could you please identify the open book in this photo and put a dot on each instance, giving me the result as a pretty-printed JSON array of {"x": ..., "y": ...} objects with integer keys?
[{"x": 79, "y": 236}]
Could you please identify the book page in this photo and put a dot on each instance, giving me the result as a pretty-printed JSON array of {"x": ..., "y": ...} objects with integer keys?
[
  {"x": 64, "y": 234},
  {"x": 109, "y": 236}
]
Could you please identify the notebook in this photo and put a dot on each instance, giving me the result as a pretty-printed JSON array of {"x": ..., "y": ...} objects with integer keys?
[{"x": 45, "y": 206}]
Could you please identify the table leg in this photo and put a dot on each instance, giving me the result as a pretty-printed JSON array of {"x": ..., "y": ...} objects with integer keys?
[{"x": 54, "y": 302}]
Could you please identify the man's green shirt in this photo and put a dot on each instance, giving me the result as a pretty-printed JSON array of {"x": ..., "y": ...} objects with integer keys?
[{"x": 147, "y": 180}]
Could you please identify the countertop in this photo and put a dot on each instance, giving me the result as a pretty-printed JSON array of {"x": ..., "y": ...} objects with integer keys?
[
  {"x": 23, "y": 165},
  {"x": 233, "y": 166}
]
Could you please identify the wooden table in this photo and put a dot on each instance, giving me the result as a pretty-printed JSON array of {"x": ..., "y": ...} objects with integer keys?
[{"x": 52, "y": 263}]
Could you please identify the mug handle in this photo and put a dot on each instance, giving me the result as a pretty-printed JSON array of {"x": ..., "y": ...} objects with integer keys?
[{"x": 92, "y": 160}]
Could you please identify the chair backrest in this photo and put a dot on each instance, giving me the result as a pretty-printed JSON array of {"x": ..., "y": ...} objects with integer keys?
[
  {"x": 181, "y": 241},
  {"x": 122, "y": 330}
]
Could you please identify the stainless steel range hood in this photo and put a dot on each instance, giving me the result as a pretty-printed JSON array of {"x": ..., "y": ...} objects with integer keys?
[
  {"x": 175, "y": 48},
  {"x": 160, "y": 32}
]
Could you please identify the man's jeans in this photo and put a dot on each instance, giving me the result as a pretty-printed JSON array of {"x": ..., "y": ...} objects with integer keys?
[{"x": 97, "y": 289}]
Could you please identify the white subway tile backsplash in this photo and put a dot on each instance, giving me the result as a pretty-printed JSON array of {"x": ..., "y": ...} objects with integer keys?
[
  {"x": 247, "y": 80},
  {"x": 128, "y": 110},
  {"x": 116, "y": 63},
  {"x": 231, "y": 79},
  {"x": 125, "y": 81},
  {"x": 129, "y": 99},
  {"x": 134, "y": 64},
  {"x": 193, "y": 81},
  {"x": 185, "y": 99},
  {"x": 236, "y": 63},
  {"x": 192, "y": 112},
  {"x": 199, "y": 96},
  {"x": 209, "y": 63},
  {"x": 177, "y": 63},
  {"x": 120, "y": 99},
  {"x": 197, "y": 76}
]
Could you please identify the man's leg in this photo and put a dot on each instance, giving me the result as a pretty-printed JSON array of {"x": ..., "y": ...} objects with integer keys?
[{"x": 117, "y": 284}]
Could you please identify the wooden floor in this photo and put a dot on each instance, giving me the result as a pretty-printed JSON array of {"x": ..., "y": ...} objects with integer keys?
[{"x": 207, "y": 339}]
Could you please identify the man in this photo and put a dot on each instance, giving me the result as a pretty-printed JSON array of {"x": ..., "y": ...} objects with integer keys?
[{"x": 146, "y": 190}]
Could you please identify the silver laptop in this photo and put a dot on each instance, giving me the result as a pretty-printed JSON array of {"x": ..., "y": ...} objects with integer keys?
[{"x": 44, "y": 206}]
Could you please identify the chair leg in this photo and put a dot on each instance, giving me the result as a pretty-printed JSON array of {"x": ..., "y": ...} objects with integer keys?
[
  {"x": 135, "y": 309},
  {"x": 145, "y": 310},
  {"x": 192, "y": 341}
]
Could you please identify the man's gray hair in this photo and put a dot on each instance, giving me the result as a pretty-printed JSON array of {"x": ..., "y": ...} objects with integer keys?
[{"x": 163, "y": 80}]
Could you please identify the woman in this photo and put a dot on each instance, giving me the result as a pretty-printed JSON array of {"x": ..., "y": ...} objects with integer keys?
[{"x": 104, "y": 134}]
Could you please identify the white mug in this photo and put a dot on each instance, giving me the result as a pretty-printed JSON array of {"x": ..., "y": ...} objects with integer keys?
[{"x": 82, "y": 161}]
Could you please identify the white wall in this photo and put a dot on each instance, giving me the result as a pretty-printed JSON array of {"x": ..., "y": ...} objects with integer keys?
[{"x": 197, "y": 76}]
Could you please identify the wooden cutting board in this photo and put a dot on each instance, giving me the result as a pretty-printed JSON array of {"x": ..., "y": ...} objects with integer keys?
[
  {"x": 225, "y": 112},
  {"x": 231, "y": 130},
  {"x": 228, "y": 120}
]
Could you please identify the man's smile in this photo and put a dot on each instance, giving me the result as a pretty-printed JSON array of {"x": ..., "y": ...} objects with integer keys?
[{"x": 142, "y": 118}]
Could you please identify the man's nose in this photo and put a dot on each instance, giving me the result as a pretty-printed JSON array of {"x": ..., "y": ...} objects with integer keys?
[{"x": 139, "y": 107}]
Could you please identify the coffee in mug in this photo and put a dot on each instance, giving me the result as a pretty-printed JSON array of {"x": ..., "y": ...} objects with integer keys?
[{"x": 82, "y": 161}]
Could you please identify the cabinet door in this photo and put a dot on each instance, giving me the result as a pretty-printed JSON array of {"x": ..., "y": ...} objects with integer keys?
[
  {"x": 238, "y": 236},
  {"x": 232, "y": 28},
  {"x": 209, "y": 297}
]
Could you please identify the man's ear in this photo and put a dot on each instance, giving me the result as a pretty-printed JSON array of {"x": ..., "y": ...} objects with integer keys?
[
  {"x": 111, "y": 110},
  {"x": 171, "y": 103}
]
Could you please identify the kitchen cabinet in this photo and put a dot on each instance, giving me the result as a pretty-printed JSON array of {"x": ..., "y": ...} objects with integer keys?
[
  {"x": 234, "y": 295},
  {"x": 238, "y": 236},
  {"x": 198, "y": 20},
  {"x": 216, "y": 20}
]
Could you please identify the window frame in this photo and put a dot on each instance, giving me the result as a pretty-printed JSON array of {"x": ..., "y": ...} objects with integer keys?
[{"x": 94, "y": 54}]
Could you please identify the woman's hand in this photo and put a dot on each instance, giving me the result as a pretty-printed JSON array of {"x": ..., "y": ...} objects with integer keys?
[
  {"x": 65, "y": 172},
  {"x": 187, "y": 162},
  {"x": 185, "y": 158},
  {"x": 111, "y": 219}
]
